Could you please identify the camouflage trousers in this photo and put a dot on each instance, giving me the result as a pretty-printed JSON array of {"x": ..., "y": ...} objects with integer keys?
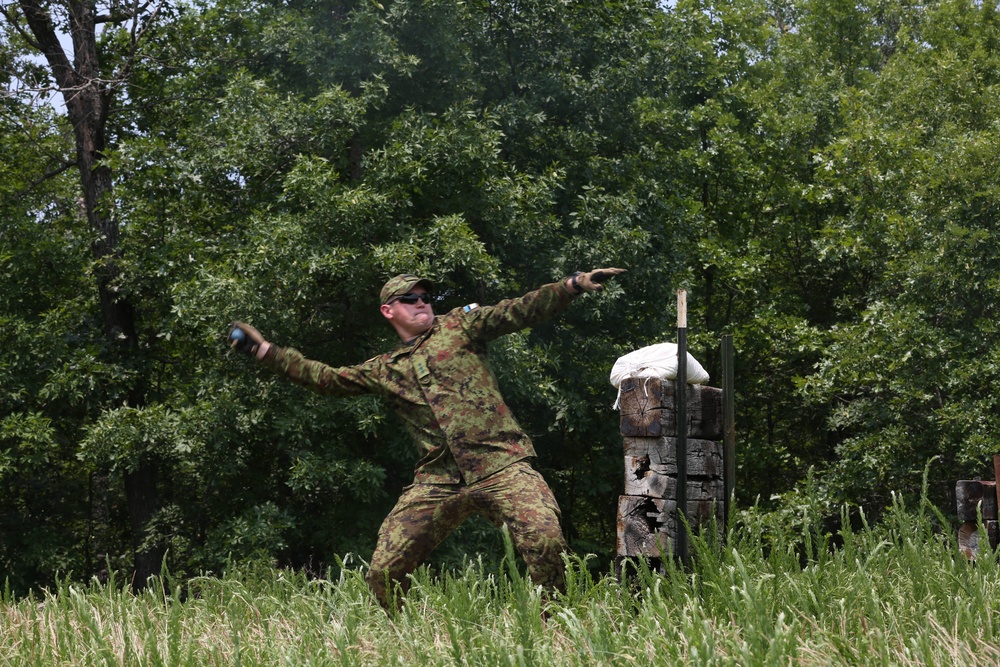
[{"x": 426, "y": 514}]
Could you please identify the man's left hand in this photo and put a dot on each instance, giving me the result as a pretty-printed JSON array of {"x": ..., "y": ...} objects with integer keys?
[{"x": 593, "y": 281}]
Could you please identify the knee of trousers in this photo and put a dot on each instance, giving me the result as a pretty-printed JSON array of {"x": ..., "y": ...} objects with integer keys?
[
  {"x": 387, "y": 589},
  {"x": 543, "y": 556},
  {"x": 545, "y": 542}
]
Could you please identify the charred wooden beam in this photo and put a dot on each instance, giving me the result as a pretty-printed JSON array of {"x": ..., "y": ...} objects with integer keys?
[
  {"x": 648, "y": 409},
  {"x": 971, "y": 495},
  {"x": 969, "y": 540},
  {"x": 648, "y": 526}
]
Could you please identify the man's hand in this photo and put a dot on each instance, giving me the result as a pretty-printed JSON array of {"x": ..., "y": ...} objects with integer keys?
[
  {"x": 592, "y": 281},
  {"x": 244, "y": 338}
]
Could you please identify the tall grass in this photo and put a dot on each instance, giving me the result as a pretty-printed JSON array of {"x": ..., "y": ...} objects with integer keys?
[{"x": 895, "y": 593}]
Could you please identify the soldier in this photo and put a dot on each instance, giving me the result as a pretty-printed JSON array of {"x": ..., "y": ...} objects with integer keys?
[{"x": 475, "y": 456}]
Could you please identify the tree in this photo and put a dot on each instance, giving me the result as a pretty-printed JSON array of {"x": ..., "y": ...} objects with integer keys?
[
  {"x": 909, "y": 368},
  {"x": 41, "y": 291},
  {"x": 90, "y": 85}
]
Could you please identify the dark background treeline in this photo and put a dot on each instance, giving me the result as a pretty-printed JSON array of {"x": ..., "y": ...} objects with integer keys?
[{"x": 820, "y": 176}]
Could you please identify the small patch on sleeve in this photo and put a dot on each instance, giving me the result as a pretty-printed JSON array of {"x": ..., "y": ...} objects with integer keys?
[{"x": 471, "y": 307}]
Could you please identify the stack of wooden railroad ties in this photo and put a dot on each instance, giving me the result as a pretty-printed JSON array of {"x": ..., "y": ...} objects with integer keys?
[
  {"x": 649, "y": 524},
  {"x": 975, "y": 499}
]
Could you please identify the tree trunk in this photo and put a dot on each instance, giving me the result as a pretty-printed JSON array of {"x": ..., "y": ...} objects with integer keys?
[
  {"x": 143, "y": 502},
  {"x": 88, "y": 96}
]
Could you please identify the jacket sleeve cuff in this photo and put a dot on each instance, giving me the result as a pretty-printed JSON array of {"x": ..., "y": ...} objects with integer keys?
[
  {"x": 566, "y": 289},
  {"x": 267, "y": 352}
]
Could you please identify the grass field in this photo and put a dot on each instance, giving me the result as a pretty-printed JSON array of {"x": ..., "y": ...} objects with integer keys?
[{"x": 896, "y": 593}]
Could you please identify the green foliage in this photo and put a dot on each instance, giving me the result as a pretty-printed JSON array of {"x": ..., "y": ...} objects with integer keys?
[
  {"x": 819, "y": 176},
  {"x": 909, "y": 366}
]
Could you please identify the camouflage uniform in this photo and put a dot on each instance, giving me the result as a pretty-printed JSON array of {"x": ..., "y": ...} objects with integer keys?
[{"x": 473, "y": 450}]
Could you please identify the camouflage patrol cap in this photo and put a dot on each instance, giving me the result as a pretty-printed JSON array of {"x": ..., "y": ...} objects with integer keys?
[{"x": 401, "y": 285}]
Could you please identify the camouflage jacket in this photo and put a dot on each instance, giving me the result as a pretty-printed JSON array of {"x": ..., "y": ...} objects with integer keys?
[{"x": 442, "y": 386}]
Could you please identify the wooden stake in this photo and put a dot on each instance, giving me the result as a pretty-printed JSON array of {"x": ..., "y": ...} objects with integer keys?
[{"x": 682, "y": 426}]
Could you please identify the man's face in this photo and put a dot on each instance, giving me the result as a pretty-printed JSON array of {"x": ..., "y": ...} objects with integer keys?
[{"x": 409, "y": 315}]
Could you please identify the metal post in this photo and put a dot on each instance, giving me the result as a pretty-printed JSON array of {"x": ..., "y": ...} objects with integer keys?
[
  {"x": 996, "y": 477},
  {"x": 728, "y": 425},
  {"x": 682, "y": 426}
]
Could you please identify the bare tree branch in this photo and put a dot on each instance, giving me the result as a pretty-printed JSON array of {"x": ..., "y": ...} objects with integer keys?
[{"x": 137, "y": 33}]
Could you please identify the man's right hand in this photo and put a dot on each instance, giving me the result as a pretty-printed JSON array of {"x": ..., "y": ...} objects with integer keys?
[{"x": 244, "y": 338}]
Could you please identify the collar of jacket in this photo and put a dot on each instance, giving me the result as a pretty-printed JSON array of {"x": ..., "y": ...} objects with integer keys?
[{"x": 406, "y": 348}]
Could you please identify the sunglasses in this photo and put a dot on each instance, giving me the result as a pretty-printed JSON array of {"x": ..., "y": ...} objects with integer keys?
[{"x": 410, "y": 299}]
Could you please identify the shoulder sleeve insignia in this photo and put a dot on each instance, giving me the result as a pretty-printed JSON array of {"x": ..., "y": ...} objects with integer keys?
[{"x": 471, "y": 307}]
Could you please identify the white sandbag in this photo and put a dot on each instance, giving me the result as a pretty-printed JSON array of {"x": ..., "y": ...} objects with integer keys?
[{"x": 655, "y": 361}]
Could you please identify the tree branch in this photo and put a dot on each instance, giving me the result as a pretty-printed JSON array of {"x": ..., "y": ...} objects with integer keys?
[
  {"x": 41, "y": 179},
  {"x": 137, "y": 33},
  {"x": 44, "y": 31},
  {"x": 14, "y": 23}
]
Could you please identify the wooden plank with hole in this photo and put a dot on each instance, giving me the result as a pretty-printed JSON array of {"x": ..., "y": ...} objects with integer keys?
[{"x": 647, "y": 526}]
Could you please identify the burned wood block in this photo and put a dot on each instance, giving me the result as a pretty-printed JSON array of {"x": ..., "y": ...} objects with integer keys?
[
  {"x": 969, "y": 542},
  {"x": 646, "y": 526},
  {"x": 640, "y": 405},
  {"x": 649, "y": 526},
  {"x": 970, "y": 494},
  {"x": 643, "y": 478},
  {"x": 649, "y": 409},
  {"x": 704, "y": 457},
  {"x": 651, "y": 468},
  {"x": 703, "y": 408}
]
